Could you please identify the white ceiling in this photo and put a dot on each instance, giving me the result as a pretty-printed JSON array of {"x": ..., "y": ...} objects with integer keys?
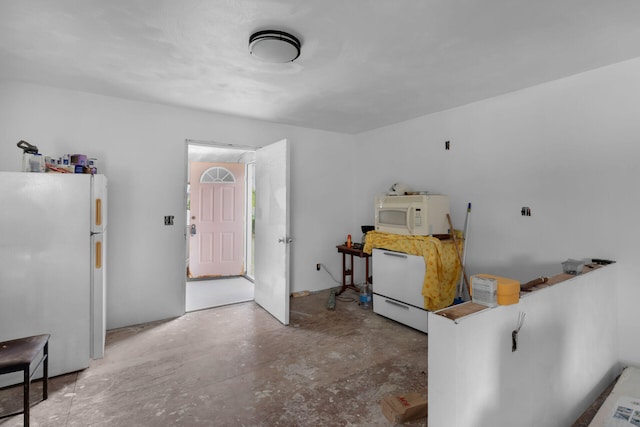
[{"x": 364, "y": 63}]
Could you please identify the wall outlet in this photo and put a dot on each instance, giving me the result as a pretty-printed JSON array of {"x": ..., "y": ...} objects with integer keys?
[{"x": 168, "y": 220}]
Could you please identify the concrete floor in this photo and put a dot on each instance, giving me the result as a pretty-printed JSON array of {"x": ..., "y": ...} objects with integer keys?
[{"x": 238, "y": 366}]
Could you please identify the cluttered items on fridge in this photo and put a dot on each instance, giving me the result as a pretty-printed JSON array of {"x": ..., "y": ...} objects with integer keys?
[{"x": 34, "y": 161}]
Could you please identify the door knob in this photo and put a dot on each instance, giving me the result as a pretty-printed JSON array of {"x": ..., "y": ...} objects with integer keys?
[{"x": 193, "y": 229}]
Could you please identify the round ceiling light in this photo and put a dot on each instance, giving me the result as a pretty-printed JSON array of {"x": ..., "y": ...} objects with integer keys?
[{"x": 274, "y": 46}]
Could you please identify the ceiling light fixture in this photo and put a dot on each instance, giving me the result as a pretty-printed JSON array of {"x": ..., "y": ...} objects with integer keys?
[{"x": 274, "y": 46}]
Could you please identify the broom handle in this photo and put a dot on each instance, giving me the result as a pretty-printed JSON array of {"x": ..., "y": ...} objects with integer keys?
[
  {"x": 455, "y": 242},
  {"x": 464, "y": 250}
]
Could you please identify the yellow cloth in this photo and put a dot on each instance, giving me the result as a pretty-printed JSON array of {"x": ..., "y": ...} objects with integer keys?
[{"x": 440, "y": 258}]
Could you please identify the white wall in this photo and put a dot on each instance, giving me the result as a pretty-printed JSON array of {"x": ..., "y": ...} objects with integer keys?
[
  {"x": 566, "y": 354},
  {"x": 569, "y": 150},
  {"x": 141, "y": 148}
]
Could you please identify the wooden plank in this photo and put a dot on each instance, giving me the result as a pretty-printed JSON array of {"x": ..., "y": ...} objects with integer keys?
[
  {"x": 460, "y": 310},
  {"x": 559, "y": 278}
]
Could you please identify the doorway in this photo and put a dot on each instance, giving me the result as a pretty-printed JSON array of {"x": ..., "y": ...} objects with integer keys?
[{"x": 220, "y": 225}]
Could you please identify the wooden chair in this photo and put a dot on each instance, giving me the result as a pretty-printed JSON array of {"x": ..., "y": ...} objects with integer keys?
[{"x": 18, "y": 355}]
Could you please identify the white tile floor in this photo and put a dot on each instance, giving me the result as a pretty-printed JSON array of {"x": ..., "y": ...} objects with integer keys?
[{"x": 203, "y": 294}]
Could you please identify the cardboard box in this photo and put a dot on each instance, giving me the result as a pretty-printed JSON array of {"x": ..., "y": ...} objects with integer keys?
[{"x": 405, "y": 407}]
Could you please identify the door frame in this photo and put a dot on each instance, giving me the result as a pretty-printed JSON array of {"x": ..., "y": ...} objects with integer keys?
[
  {"x": 224, "y": 148},
  {"x": 274, "y": 181}
]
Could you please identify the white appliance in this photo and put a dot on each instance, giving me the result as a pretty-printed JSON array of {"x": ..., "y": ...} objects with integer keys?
[
  {"x": 53, "y": 264},
  {"x": 418, "y": 215},
  {"x": 397, "y": 288}
]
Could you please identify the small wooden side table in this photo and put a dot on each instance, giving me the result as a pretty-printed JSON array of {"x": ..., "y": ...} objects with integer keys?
[{"x": 347, "y": 270}]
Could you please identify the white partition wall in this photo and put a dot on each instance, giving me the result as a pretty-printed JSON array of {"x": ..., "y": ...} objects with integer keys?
[{"x": 567, "y": 354}]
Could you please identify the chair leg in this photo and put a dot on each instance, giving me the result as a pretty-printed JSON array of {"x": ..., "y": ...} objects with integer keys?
[{"x": 27, "y": 380}]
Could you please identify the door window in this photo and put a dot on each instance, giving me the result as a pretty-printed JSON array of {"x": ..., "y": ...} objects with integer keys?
[{"x": 217, "y": 174}]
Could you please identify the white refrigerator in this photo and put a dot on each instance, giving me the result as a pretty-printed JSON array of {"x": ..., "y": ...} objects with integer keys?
[{"x": 53, "y": 264}]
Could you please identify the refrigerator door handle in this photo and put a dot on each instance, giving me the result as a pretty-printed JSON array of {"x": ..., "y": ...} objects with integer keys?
[
  {"x": 98, "y": 255},
  {"x": 98, "y": 212}
]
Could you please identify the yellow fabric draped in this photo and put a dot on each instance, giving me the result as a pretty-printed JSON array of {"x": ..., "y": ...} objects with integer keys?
[{"x": 442, "y": 265}]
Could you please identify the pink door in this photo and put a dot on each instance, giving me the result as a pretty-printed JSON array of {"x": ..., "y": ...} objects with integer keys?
[{"x": 217, "y": 219}]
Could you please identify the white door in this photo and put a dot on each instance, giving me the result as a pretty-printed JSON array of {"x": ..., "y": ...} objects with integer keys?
[{"x": 272, "y": 230}]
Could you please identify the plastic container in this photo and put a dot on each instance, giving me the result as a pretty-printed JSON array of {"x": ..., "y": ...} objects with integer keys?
[
  {"x": 365, "y": 297},
  {"x": 26, "y": 162},
  {"x": 484, "y": 290},
  {"x": 36, "y": 162},
  {"x": 490, "y": 290},
  {"x": 572, "y": 266}
]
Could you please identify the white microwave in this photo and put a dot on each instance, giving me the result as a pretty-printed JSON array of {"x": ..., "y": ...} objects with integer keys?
[{"x": 418, "y": 215}]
